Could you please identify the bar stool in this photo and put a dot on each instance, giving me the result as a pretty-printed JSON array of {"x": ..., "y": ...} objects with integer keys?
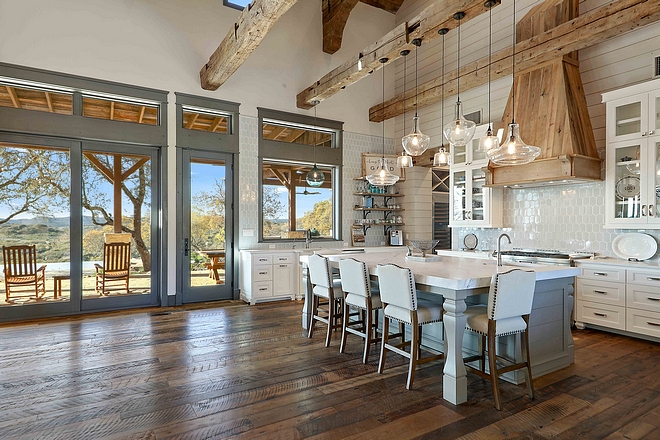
[
  {"x": 509, "y": 305},
  {"x": 324, "y": 286},
  {"x": 399, "y": 298},
  {"x": 356, "y": 285}
]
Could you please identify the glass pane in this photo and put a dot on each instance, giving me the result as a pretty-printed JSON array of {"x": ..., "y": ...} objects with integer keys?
[
  {"x": 116, "y": 185},
  {"x": 629, "y": 118},
  {"x": 36, "y": 99},
  {"x": 460, "y": 154},
  {"x": 627, "y": 184},
  {"x": 120, "y": 111},
  {"x": 297, "y": 134},
  {"x": 207, "y": 222},
  {"x": 478, "y": 182},
  {"x": 655, "y": 119},
  {"x": 291, "y": 207},
  {"x": 209, "y": 122},
  {"x": 476, "y": 153},
  {"x": 35, "y": 211},
  {"x": 459, "y": 194}
]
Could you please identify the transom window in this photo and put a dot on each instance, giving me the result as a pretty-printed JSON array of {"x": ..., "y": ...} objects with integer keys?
[
  {"x": 36, "y": 98},
  {"x": 206, "y": 120}
]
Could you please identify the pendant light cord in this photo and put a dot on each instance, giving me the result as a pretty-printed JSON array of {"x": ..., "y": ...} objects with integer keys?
[
  {"x": 513, "y": 73},
  {"x": 315, "y": 134},
  {"x": 442, "y": 106},
  {"x": 405, "y": 64},
  {"x": 458, "y": 64},
  {"x": 383, "y": 113},
  {"x": 416, "y": 88},
  {"x": 490, "y": 45}
]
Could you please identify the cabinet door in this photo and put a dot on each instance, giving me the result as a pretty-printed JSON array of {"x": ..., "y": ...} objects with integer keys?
[
  {"x": 459, "y": 155},
  {"x": 654, "y": 113},
  {"x": 627, "y": 118},
  {"x": 479, "y": 198},
  {"x": 283, "y": 279},
  {"x": 653, "y": 173},
  {"x": 460, "y": 200},
  {"x": 625, "y": 186}
]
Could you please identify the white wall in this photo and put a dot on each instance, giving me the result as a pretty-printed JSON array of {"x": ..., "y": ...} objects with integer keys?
[{"x": 551, "y": 217}]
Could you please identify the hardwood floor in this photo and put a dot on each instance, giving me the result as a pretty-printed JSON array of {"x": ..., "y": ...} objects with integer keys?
[{"x": 228, "y": 369}]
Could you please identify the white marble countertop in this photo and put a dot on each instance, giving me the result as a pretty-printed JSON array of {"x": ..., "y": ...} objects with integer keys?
[
  {"x": 453, "y": 273},
  {"x": 483, "y": 255},
  {"x": 328, "y": 250}
]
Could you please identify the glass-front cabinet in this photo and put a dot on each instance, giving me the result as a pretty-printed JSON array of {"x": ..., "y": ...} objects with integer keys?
[
  {"x": 470, "y": 154},
  {"x": 632, "y": 188}
]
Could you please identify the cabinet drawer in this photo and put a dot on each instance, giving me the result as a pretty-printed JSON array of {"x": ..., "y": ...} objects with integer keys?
[
  {"x": 643, "y": 297},
  {"x": 604, "y": 274},
  {"x": 601, "y": 314},
  {"x": 283, "y": 259},
  {"x": 263, "y": 259},
  {"x": 262, "y": 289},
  {"x": 262, "y": 273},
  {"x": 646, "y": 323},
  {"x": 602, "y": 292},
  {"x": 645, "y": 277}
]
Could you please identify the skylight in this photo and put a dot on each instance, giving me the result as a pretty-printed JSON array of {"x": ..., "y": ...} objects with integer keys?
[{"x": 238, "y": 4}]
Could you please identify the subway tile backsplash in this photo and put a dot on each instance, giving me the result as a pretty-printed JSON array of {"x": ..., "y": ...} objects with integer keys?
[{"x": 565, "y": 218}]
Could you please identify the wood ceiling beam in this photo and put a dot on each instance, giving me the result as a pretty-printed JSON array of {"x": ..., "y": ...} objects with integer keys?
[
  {"x": 112, "y": 110},
  {"x": 191, "y": 120},
  {"x": 391, "y": 6},
  {"x": 275, "y": 132},
  {"x": 295, "y": 134},
  {"x": 13, "y": 96},
  {"x": 216, "y": 122},
  {"x": 141, "y": 117},
  {"x": 584, "y": 31},
  {"x": 335, "y": 16},
  {"x": 245, "y": 36},
  {"x": 424, "y": 25}
]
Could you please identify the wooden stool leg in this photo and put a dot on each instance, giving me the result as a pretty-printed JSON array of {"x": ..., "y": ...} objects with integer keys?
[
  {"x": 492, "y": 363},
  {"x": 524, "y": 337},
  {"x": 367, "y": 333},
  {"x": 312, "y": 321},
  {"x": 344, "y": 324},
  {"x": 331, "y": 318},
  {"x": 386, "y": 330},
  {"x": 414, "y": 351},
  {"x": 482, "y": 353}
]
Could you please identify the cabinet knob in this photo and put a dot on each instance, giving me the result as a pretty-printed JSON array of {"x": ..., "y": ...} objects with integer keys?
[
  {"x": 651, "y": 211},
  {"x": 643, "y": 133},
  {"x": 643, "y": 210},
  {"x": 651, "y": 132}
]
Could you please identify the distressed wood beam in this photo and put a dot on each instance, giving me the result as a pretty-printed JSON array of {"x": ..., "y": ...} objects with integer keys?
[
  {"x": 391, "y": 6},
  {"x": 49, "y": 102},
  {"x": 335, "y": 16},
  {"x": 425, "y": 25},
  {"x": 584, "y": 31},
  {"x": 245, "y": 36},
  {"x": 13, "y": 97}
]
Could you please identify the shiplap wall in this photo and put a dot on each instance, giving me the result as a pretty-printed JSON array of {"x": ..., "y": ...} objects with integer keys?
[{"x": 618, "y": 62}]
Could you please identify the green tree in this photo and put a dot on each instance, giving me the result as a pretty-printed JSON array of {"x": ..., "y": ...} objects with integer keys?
[
  {"x": 319, "y": 218},
  {"x": 272, "y": 209},
  {"x": 207, "y": 218}
]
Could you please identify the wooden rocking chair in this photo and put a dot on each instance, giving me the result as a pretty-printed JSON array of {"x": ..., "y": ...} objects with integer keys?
[
  {"x": 116, "y": 269},
  {"x": 21, "y": 269}
]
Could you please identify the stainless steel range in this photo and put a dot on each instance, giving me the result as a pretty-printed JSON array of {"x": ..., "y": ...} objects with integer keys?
[{"x": 543, "y": 256}]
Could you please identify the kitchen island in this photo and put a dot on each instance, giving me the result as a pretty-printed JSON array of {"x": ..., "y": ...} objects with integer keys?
[{"x": 455, "y": 280}]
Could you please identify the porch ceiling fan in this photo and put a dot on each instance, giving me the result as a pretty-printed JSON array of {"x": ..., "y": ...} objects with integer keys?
[{"x": 308, "y": 193}]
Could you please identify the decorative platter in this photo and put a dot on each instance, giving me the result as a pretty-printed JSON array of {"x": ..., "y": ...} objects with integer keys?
[
  {"x": 470, "y": 241},
  {"x": 627, "y": 187},
  {"x": 634, "y": 245}
]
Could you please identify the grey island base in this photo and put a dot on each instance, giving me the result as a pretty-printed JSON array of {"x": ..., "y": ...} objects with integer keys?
[{"x": 458, "y": 281}]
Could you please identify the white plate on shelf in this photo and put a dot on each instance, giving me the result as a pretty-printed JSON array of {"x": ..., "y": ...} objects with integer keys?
[{"x": 634, "y": 245}]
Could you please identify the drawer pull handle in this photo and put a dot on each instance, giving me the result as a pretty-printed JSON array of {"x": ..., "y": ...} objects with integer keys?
[
  {"x": 600, "y": 291},
  {"x": 652, "y": 299},
  {"x": 263, "y": 259},
  {"x": 283, "y": 265},
  {"x": 655, "y": 324},
  {"x": 263, "y": 273},
  {"x": 653, "y": 278},
  {"x": 600, "y": 274},
  {"x": 263, "y": 288},
  {"x": 604, "y": 315}
]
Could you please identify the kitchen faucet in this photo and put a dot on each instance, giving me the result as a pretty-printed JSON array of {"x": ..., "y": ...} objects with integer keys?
[
  {"x": 308, "y": 238},
  {"x": 499, "y": 248}
]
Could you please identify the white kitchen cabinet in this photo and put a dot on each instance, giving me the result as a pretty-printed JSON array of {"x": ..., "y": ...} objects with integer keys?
[
  {"x": 268, "y": 276},
  {"x": 471, "y": 204},
  {"x": 619, "y": 297},
  {"x": 632, "y": 189}
]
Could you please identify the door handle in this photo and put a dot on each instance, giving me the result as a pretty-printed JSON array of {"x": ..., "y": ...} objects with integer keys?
[{"x": 186, "y": 249}]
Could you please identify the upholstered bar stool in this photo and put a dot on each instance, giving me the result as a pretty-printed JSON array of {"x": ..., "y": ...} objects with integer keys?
[
  {"x": 509, "y": 305},
  {"x": 400, "y": 303},
  {"x": 324, "y": 286},
  {"x": 358, "y": 293}
]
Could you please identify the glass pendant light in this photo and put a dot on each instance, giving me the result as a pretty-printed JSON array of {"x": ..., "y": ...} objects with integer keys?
[
  {"x": 441, "y": 158},
  {"x": 514, "y": 151},
  {"x": 315, "y": 177},
  {"x": 382, "y": 177},
  {"x": 460, "y": 131},
  {"x": 404, "y": 161},
  {"x": 416, "y": 142},
  {"x": 489, "y": 141}
]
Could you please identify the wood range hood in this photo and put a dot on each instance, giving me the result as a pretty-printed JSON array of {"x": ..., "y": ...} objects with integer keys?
[{"x": 551, "y": 108}]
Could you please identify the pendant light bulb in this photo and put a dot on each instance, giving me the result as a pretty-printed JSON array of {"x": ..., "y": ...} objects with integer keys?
[
  {"x": 489, "y": 141},
  {"x": 460, "y": 131},
  {"x": 383, "y": 177},
  {"x": 404, "y": 161},
  {"x": 315, "y": 177},
  {"x": 441, "y": 158},
  {"x": 416, "y": 142}
]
